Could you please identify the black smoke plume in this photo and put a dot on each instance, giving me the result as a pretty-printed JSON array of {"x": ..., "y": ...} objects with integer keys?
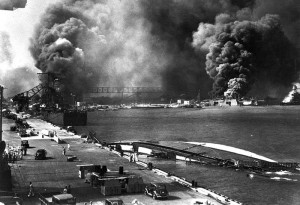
[
  {"x": 172, "y": 23},
  {"x": 89, "y": 43},
  {"x": 126, "y": 43},
  {"x": 151, "y": 43},
  {"x": 246, "y": 54},
  {"x": 58, "y": 47}
]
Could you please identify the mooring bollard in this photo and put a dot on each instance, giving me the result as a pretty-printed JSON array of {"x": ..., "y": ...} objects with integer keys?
[
  {"x": 194, "y": 183},
  {"x": 150, "y": 166}
]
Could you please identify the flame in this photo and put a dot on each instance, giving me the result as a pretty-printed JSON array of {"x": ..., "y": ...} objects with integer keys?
[{"x": 289, "y": 97}]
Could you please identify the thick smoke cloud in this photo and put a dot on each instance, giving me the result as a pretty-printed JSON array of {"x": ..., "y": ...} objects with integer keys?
[
  {"x": 127, "y": 43},
  {"x": 17, "y": 71},
  {"x": 289, "y": 13},
  {"x": 173, "y": 22},
  {"x": 90, "y": 43},
  {"x": 152, "y": 43},
  {"x": 246, "y": 55},
  {"x": 12, "y": 4},
  {"x": 10, "y": 78}
]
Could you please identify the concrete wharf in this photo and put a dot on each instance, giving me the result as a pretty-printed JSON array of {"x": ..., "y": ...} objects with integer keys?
[{"x": 56, "y": 172}]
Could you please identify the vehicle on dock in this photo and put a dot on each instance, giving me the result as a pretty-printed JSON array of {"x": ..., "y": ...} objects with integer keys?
[
  {"x": 11, "y": 200},
  {"x": 157, "y": 191},
  {"x": 201, "y": 201},
  {"x": 114, "y": 201},
  {"x": 71, "y": 129},
  {"x": 40, "y": 154},
  {"x": 57, "y": 198}
]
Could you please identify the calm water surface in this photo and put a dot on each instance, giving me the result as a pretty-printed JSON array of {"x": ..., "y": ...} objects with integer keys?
[{"x": 272, "y": 131}]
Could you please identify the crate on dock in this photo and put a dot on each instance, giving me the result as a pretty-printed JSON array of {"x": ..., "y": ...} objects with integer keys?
[
  {"x": 111, "y": 182},
  {"x": 110, "y": 190},
  {"x": 135, "y": 187},
  {"x": 130, "y": 188},
  {"x": 141, "y": 187},
  {"x": 135, "y": 179}
]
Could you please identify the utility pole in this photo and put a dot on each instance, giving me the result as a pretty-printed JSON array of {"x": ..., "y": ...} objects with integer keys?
[{"x": 1, "y": 99}]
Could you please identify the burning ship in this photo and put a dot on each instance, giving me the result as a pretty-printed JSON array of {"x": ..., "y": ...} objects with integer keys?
[{"x": 293, "y": 98}]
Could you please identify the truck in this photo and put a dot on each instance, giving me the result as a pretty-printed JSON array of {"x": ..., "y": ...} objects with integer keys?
[
  {"x": 54, "y": 198},
  {"x": 10, "y": 200}
]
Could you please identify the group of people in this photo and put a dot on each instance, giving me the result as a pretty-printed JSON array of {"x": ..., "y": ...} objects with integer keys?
[{"x": 12, "y": 154}]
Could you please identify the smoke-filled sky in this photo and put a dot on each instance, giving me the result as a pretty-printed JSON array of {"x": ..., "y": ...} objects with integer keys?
[
  {"x": 17, "y": 70},
  {"x": 224, "y": 46}
]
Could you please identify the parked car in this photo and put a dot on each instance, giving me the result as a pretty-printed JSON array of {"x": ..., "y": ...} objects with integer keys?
[
  {"x": 56, "y": 199},
  {"x": 201, "y": 201},
  {"x": 71, "y": 129},
  {"x": 156, "y": 190},
  {"x": 41, "y": 154},
  {"x": 10, "y": 200},
  {"x": 114, "y": 201}
]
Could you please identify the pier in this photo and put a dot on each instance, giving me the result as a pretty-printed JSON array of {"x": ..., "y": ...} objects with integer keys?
[{"x": 54, "y": 173}]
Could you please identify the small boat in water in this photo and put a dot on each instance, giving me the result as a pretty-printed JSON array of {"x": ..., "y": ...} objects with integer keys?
[{"x": 146, "y": 106}]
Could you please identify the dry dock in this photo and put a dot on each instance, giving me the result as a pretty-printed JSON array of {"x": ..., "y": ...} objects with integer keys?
[{"x": 56, "y": 172}]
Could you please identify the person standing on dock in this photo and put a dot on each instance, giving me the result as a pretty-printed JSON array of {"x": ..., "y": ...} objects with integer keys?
[
  {"x": 69, "y": 189},
  {"x": 65, "y": 191},
  {"x": 31, "y": 190},
  {"x": 69, "y": 147},
  {"x": 64, "y": 150}
]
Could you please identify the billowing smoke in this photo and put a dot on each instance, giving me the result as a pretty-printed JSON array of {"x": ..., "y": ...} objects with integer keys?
[
  {"x": 152, "y": 43},
  {"x": 173, "y": 23},
  {"x": 6, "y": 54},
  {"x": 289, "y": 13},
  {"x": 12, "y": 82},
  {"x": 12, "y": 4},
  {"x": 10, "y": 76},
  {"x": 127, "y": 43},
  {"x": 90, "y": 43},
  {"x": 243, "y": 53},
  {"x": 17, "y": 71}
]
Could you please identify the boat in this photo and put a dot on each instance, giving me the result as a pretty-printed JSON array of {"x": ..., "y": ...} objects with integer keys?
[
  {"x": 146, "y": 106},
  {"x": 209, "y": 153}
]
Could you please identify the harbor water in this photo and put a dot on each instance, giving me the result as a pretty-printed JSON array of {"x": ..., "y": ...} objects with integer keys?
[{"x": 271, "y": 131}]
